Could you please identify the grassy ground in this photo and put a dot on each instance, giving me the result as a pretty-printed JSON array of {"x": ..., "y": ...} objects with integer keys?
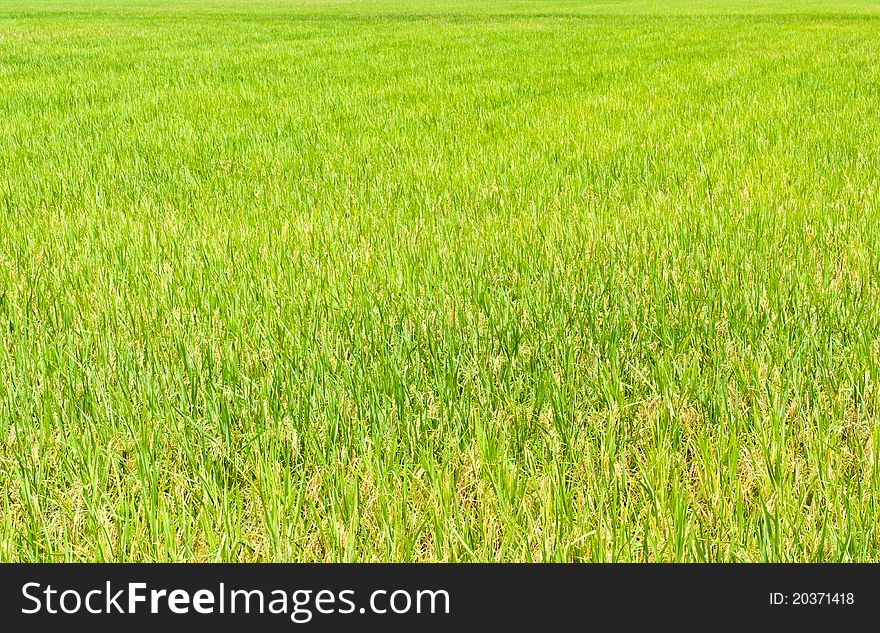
[{"x": 439, "y": 280}]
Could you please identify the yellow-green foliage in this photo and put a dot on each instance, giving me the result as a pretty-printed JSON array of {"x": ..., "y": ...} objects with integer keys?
[{"x": 397, "y": 280}]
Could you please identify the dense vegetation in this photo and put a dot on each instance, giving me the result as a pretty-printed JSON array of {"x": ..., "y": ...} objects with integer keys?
[{"x": 439, "y": 280}]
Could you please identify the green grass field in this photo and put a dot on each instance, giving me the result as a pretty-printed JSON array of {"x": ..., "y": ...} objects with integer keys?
[{"x": 440, "y": 280}]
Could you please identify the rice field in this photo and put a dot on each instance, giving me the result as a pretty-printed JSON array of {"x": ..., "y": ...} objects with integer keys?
[{"x": 449, "y": 280}]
